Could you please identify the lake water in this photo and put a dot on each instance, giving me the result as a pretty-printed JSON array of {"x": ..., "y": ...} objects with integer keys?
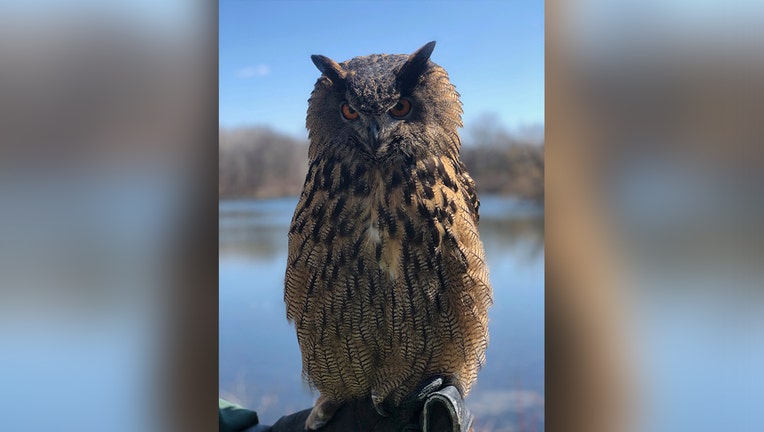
[{"x": 259, "y": 356}]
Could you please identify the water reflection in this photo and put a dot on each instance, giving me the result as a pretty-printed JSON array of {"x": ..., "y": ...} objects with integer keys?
[
  {"x": 259, "y": 356},
  {"x": 521, "y": 237},
  {"x": 255, "y": 229}
]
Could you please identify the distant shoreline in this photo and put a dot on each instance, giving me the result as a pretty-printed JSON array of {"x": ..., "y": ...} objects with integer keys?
[{"x": 257, "y": 162}]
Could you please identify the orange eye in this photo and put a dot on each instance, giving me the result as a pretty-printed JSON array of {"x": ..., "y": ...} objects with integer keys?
[
  {"x": 349, "y": 113},
  {"x": 401, "y": 109}
]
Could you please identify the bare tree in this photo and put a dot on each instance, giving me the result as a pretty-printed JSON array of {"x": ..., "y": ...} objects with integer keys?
[{"x": 259, "y": 162}]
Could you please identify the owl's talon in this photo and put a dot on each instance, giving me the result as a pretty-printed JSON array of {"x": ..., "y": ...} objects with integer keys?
[
  {"x": 322, "y": 412},
  {"x": 314, "y": 423},
  {"x": 378, "y": 402}
]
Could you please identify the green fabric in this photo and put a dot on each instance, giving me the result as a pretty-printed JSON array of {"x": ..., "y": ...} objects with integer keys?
[{"x": 233, "y": 418}]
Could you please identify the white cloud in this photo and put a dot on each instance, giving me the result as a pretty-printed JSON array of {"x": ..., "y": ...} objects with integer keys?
[{"x": 253, "y": 71}]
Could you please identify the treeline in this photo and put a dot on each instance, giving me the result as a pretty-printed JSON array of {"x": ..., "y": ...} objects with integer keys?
[{"x": 258, "y": 162}]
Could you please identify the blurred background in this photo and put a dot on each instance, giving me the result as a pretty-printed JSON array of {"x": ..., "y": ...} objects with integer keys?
[
  {"x": 104, "y": 113},
  {"x": 654, "y": 215},
  {"x": 494, "y": 54}
]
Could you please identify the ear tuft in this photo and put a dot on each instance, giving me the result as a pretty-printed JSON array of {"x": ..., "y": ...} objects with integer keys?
[
  {"x": 329, "y": 68},
  {"x": 409, "y": 73}
]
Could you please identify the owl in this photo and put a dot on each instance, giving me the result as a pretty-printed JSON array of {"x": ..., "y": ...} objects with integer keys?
[{"x": 386, "y": 280}]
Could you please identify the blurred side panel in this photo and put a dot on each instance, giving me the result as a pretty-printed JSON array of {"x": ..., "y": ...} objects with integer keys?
[
  {"x": 108, "y": 130},
  {"x": 654, "y": 180},
  {"x": 586, "y": 373}
]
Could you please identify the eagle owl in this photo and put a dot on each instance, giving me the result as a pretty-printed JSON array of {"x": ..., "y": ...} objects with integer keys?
[{"x": 386, "y": 279}]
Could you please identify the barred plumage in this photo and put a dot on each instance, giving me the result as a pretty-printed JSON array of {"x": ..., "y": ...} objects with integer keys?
[{"x": 386, "y": 280}]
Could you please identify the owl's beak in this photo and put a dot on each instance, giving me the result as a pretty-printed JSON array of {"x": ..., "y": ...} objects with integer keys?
[{"x": 373, "y": 136}]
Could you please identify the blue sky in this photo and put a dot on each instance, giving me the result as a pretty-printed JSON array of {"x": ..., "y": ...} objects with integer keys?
[{"x": 492, "y": 50}]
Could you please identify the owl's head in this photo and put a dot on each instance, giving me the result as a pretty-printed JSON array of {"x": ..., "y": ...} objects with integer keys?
[{"x": 383, "y": 106}]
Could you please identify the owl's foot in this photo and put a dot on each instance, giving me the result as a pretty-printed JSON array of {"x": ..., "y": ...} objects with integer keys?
[
  {"x": 322, "y": 412},
  {"x": 378, "y": 401}
]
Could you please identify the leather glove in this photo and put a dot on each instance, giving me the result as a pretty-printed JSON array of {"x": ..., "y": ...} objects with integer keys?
[{"x": 433, "y": 408}]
